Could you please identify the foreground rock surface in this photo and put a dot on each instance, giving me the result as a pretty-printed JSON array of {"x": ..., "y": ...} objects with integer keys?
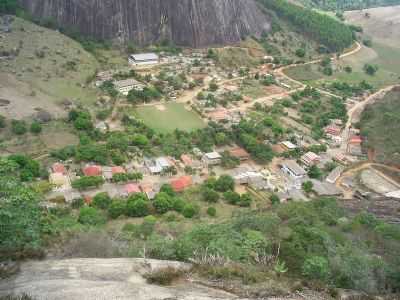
[
  {"x": 195, "y": 23},
  {"x": 119, "y": 278}
]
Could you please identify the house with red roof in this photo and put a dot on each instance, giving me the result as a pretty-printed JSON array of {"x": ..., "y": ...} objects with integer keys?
[
  {"x": 117, "y": 170},
  {"x": 355, "y": 139},
  {"x": 59, "y": 168},
  {"x": 92, "y": 170},
  {"x": 239, "y": 153},
  {"x": 332, "y": 130},
  {"x": 130, "y": 189},
  {"x": 182, "y": 183}
]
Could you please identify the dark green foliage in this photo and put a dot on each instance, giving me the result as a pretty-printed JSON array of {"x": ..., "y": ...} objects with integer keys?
[
  {"x": 163, "y": 203},
  {"x": 301, "y": 52},
  {"x": 3, "y": 123},
  {"x": 328, "y": 31},
  {"x": 116, "y": 208},
  {"x": 209, "y": 195},
  {"x": 8, "y": 6},
  {"x": 36, "y": 127},
  {"x": 20, "y": 214},
  {"x": 316, "y": 268},
  {"x": 101, "y": 200},
  {"x": 82, "y": 120},
  {"x": 274, "y": 199},
  {"x": 91, "y": 216},
  {"x": 92, "y": 152},
  {"x": 29, "y": 168},
  {"x": 315, "y": 172},
  {"x": 211, "y": 211},
  {"x": 18, "y": 127},
  {"x": 224, "y": 183},
  {"x": 64, "y": 153},
  {"x": 87, "y": 182},
  {"x": 137, "y": 206},
  {"x": 370, "y": 69},
  {"x": 232, "y": 197},
  {"x": 307, "y": 186},
  {"x": 190, "y": 210}
]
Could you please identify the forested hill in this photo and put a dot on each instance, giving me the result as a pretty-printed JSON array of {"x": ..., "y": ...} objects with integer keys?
[
  {"x": 346, "y": 4},
  {"x": 329, "y": 32}
]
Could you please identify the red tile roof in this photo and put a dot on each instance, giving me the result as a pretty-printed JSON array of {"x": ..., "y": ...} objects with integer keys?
[
  {"x": 182, "y": 183},
  {"x": 59, "y": 168},
  {"x": 239, "y": 153},
  {"x": 186, "y": 159},
  {"x": 118, "y": 170},
  {"x": 132, "y": 188},
  {"x": 92, "y": 171},
  {"x": 355, "y": 139},
  {"x": 334, "y": 130}
]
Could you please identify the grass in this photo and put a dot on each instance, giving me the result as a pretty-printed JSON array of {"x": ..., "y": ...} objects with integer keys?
[{"x": 175, "y": 116}]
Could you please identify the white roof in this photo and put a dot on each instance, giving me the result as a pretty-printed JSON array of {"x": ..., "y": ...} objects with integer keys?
[
  {"x": 144, "y": 56},
  {"x": 126, "y": 82},
  {"x": 289, "y": 145},
  {"x": 213, "y": 155},
  {"x": 294, "y": 167},
  {"x": 163, "y": 162},
  {"x": 393, "y": 194}
]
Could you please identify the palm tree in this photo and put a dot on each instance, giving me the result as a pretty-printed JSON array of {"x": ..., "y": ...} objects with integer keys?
[{"x": 280, "y": 267}]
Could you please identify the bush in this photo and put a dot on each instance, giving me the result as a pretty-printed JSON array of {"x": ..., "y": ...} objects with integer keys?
[
  {"x": 232, "y": 197},
  {"x": 316, "y": 267},
  {"x": 116, "y": 208},
  {"x": 2, "y": 121},
  {"x": 190, "y": 210},
  {"x": 18, "y": 127},
  {"x": 91, "y": 216},
  {"x": 87, "y": 182},
  {"x": 137, "y": 206},
  {"x": 101, "y": 200},
  {"x": 211, "y": 211},
  {"x": 163, "y": 203},
  {"x": 245, "y": 200},
  {"x": 178, "y": 204},
  {"x": 225, "y": 183},
  {"x": 209, "y": 195},
  {"x": 300, "y": 52},
  {"x": 164, "y": 276},
  {"x": 274, "y": 199},
  {"x": 36, "y": 127}
]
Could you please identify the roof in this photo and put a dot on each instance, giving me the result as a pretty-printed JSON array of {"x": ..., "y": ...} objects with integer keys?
[
  {"x": 118, "y": 170},
  {"x": 332, "y": 129},
  {"x": 131, "y": 188},
  {"x": 144, "y": 56},
  {"x": 186, "y": 159},
  {"x": 393, "y": 194},
  {"x": 92, "y": 170},
  {"x": 58, "y": 179},
  {"x": 163, "y": 162},
  {"x": 334, "y": 174},
  {"x": 325, "y": 188},
  {"x": 213, "y": 155},
  {"x": 356, "y": 139},
  {"x": 289, "y": 145},
  {"x": 239, "y": 153},
  {"x": 310, "y": 156},
  {"x": 125, "y": 83},
  {"x": 219, "y": 114},
  {"x": 58, "y": 168},
  {"x": 294, "y": 167},
  {"x": 180, "y": 184}
]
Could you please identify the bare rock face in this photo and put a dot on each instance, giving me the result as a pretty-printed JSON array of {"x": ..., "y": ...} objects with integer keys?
[{"x": 194, "y": 23}]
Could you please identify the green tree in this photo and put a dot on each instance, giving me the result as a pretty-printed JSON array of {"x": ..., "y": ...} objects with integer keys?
[
  {"x": 274, "y": 199},
  {"x": 117, "y": 208},
  {"x": 211, "y": 211},
  {"x": 314, "y": 172},
  {"x": 91, "y": 216},
  {"x": 232, "y": 197},
  {"x": 190, "y": 210},
  {"x": 87, "y": 182},
  {"x": 102, "y": 201},
  {"x": 316, "y": 267},
  {"x": 18, "y": 127},
  {"x": 225, "y": 183},
  {"x": 307, "y": 186},
  {"x": 209, "y": 195},
  {"x": 163, "y": 203},
  {"x": 36, "y": 127},
  {"x": 301, "y": 52},
  {"x": 137, "y": 206}
]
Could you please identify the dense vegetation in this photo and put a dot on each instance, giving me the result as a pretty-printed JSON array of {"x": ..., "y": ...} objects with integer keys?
[
  {"x": 380, "y": 125},
  {"x": 8, "y": 6},
  {"x": 324, "y": 29},
  {"x": 347, "y": 5}
]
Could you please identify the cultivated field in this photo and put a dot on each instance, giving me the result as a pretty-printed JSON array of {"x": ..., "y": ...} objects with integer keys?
[{"x": 165, "y": 118}]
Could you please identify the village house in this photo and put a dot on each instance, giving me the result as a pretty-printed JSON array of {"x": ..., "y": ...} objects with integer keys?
[
  {"x": 211, "y": 158},
  {"x": 59, "y": 180},
  {"x": 151, "y": 190},
  {"x": 310, "y": 159},
  {"x": 334, "y": 174},
  {"x": 293, "y": 169},
  {"x": 332, "y": 130},
  {"x": 288, "y": 146},
  {"x": 92, "y": 170},
  {"x": 191, "y": 163},
  {"x": 130, "y": 189},
  {"x": 182, "y": 183},
  {"x": 125, "y": 86},
  {"x": 144, "y": 59},
  {"x": 156, "y": 166},
  {"x": 58, "y": 168},
  {"x": 239, "y": 153}
]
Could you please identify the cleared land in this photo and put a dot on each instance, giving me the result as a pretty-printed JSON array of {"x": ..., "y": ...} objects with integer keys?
[
  {"x": 41, "y": 68},
  {"x": 383, "y": 28},
  {"x": 166, "y": 118}
]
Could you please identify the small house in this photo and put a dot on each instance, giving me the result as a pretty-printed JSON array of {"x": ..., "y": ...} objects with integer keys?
[
  {"x": 58, "y": 179},
  {"x": 125, "y": 86},
  {"x": 293, "y": 169},
  {"x": 239, "y": 153},
  {"x": 130, "y": 189},
  {"x": 288, "y": 145},
  {"x": 92, "y": 170},
  {"x": 182, "y": 183},
  {"x": 144, "y": 59},
  {"x": 58, "y": 168},
  {"x": 310, "y": 159}
]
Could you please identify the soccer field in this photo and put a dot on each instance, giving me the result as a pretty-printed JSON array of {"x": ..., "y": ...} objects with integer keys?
[{"x": 165, "y": 118}]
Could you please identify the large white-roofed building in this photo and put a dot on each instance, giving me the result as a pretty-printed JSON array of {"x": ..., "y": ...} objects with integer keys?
[{"x": 144, "y": 59}]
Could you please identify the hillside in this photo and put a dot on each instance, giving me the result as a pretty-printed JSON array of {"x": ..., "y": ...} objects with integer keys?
[
  {"x": 380, "y": 124},
  {"x": 194, "y": 23}
]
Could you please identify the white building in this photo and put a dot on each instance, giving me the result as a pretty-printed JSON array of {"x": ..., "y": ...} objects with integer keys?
[
  {"x": 293, "y": 169},
  {"x": 124, "y": 86},
  {"x": 212, "y": 158},
  {"x": 144, "y": 59}
]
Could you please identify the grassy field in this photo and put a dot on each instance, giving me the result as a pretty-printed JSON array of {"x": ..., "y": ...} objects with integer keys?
[
  {"x": 383, "y": 28},
  {"x": 166, "y": 118},
  {"x": 46, "y": 68}
]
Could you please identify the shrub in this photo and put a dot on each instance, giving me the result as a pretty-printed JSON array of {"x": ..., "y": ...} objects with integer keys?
[
  {"x": 316, "y": 267},
  {"x": 18, "y": 127},
  {"x": 211, "y": 211},
  {"x": 102, "y": 201},
  {"x": 178, "y": 204},
  {"x": 116, "y": 209},
  {"x": 190, "y": 210},
  {"x": 274, "y": 199},
  {"x": 87, "y": 181},
  {"x": 232, "y": 197},
  {"x": 300, "y": 52},
  {"x": 91, "y": 216},
  {"x": 163, "y": 203},
  {"x": 36, "y": 127},
  {"x": 209, "y": 195},
  {"x": 164, "y": 276},
  {"x": 224, "y": 183},
  {"x": 245, "y": 200}
]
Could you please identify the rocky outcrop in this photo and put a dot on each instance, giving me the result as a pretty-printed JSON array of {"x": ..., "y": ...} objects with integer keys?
[{"x": 195, "y": 23}]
